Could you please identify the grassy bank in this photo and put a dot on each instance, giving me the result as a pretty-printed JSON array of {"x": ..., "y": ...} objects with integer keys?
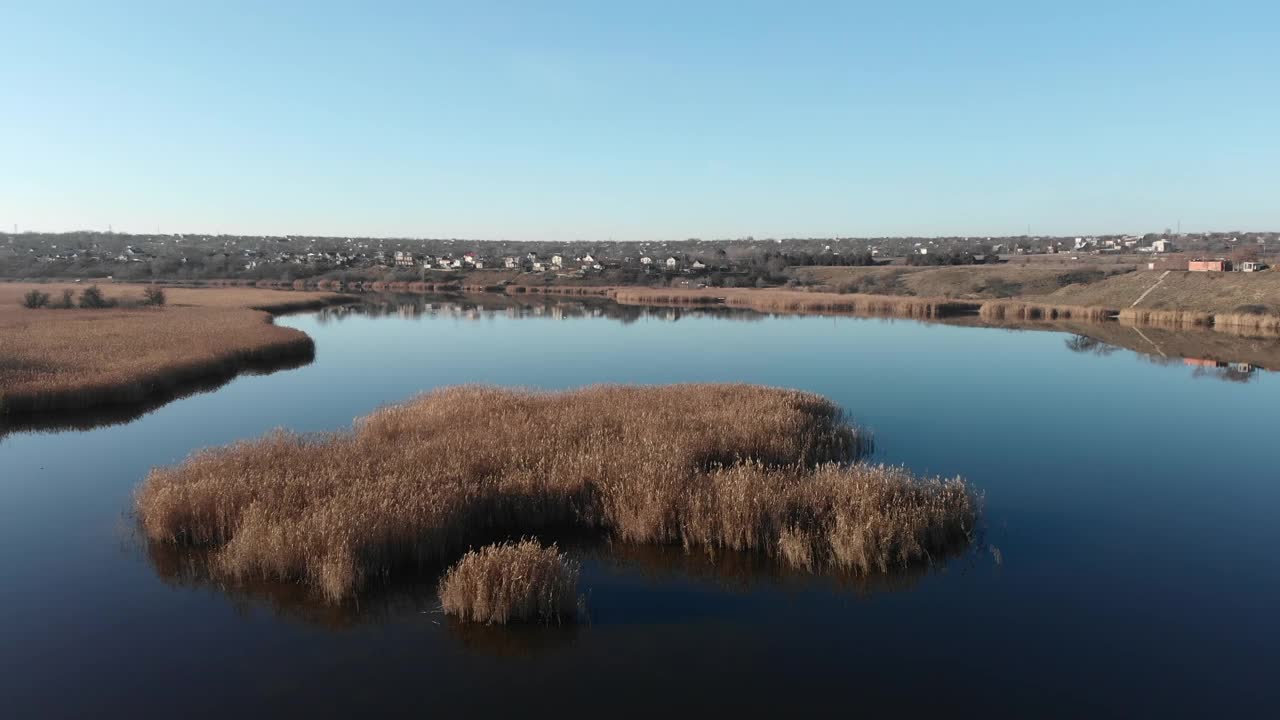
[
  {"x": 57, "y": 360},
  {"x": 414, "y": 485}
]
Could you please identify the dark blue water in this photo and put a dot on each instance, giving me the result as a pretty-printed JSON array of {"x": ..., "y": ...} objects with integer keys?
[{"x": 1127, "y": 567}]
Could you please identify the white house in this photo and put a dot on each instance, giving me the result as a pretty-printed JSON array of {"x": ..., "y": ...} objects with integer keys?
[
  {"x": 646, "y": 260},
  {"x": 508, "y": 262},
  {"x": 672, "y": 262},
  {"x": 698, "y": 265},
  {"x": 557, "y": 260},
  {"x": 1161, "y": 246}
]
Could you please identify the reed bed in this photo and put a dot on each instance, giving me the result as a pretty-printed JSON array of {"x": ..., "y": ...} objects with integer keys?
[
  {"x": 1166, "y": 318},
  {"x": 572, "y": 290},
  {"x": 793, "y": 301},
  {"x": 77, "y": 359},
  {"x": 511, "y": 581},
  {"x": 415, "y": 485},
  {"x": 1245, "y": 322},
  {"x": 1002, "y": 310}
]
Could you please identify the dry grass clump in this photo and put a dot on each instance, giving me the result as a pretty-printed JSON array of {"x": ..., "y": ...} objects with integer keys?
[
  {"x": 1166, "y": 318},
  {"x": 80, "y": 358},
  {"x": 511, "y": 581},
  {"x": 1266, "y": 323},
  {"x": 413, "y": 485},
  {"x": 794, "y": 301},
  {"x": 1002, "y": 310}
]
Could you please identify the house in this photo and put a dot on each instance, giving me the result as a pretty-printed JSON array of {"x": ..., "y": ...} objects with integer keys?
[
  {"x": 404, "y": 259},
  {"x": 508, "y": 262},
  {"x": 588, "y": 260},
  {"x": 698, "y": 265},
  {"x": 672, "y": 262},
  {"x": 1162, "y": 246},
  {"x": 557, "y": 260},
  {"x": 1252, "y": 266},
  {"x": 1209, "y": 265},
  {"x": 646, "y": 260}
]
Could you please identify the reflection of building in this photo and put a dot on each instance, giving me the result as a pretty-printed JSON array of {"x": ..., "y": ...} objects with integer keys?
[{"x": 1200, "y": 362}]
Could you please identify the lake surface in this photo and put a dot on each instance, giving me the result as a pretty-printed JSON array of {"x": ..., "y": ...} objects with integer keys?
[{"x": 1127, "y": 566}]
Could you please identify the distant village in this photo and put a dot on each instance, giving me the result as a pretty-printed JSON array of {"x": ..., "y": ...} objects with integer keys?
[{"x": 717, "y": 262}]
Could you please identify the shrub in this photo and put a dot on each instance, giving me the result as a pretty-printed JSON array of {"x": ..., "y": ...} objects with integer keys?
[
  {"x": 511, "y": 581},
  {"x": 68, "y": 299},
  {"x": 153, "y": 295},
  {"x": 92, "y": 298},
  {"x": 35, "y": 299}
]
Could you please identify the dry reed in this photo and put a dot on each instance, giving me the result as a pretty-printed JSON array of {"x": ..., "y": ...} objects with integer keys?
[
  {"x": 414, "y": 485},
  {"x": 1166, "y": 318},
  {"x": 77, "y": 359},
  {"x": 511, "y": 581},
  {"x": 1003, "y": 310},
  {"x": 793, "y": 301}
]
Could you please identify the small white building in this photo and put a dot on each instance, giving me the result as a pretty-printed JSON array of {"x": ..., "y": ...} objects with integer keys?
[
  {"x": 1162, "y": 246},
  {"x": 557, "y": 260},
  {"x": 646, "y": 260},
  {"x": 672, "y": 262}
]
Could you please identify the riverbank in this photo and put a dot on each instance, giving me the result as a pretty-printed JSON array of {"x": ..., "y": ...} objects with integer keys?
[
  {"x": 1252, "y": 313},
  {"x": 55, "y": 360}
]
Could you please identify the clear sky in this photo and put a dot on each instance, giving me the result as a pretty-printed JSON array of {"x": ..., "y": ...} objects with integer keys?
[{"x": 640, "y": 120}]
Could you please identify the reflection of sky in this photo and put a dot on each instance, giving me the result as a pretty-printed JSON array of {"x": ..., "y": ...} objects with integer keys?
[{"x": 1120, "y": 491}]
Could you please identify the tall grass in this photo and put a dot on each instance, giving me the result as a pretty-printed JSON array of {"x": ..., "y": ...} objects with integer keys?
[
  {"x": 415, "y": 485},
  {"x": 1166, "y": 318},
  {"x": 793, "y": 301},
  {"x": 75, "y": 359},
  {"x": 511, "y": 581},
  {"x": 1244, "y": 322},
  {"x": 1002, "y": 310}
]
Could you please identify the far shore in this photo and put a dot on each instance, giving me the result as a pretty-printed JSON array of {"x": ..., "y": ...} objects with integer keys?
[{"x": 58, "y": 360}]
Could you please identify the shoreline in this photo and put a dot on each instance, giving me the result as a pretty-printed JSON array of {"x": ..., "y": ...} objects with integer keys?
[{"x": 204, "y": 341}]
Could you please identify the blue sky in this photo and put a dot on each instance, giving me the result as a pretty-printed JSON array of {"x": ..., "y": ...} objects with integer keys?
[{"x": 646, "y": 120}]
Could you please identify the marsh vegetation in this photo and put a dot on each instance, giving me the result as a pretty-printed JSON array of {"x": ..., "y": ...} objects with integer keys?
[{"x": 706, "y": 467}]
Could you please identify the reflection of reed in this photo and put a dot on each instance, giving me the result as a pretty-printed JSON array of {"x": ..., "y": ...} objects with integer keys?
[
  {"x": 519, "y": 640},
  {"x": 740, "y": 571},
  {"x": 413, "y": 596},
  {"x": 159, "y": 395}
]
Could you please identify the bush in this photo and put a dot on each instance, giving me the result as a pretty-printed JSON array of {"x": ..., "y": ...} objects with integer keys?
[
  {"x": 35, "y": 299},
  {"x": 68, "y": 299},
  {"x": 93, "y": 299},
  {"x": 153, "y": 295}
]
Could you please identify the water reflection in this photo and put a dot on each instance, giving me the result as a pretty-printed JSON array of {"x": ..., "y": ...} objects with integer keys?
[
  {"x": 124, "y": 413},
  {"x": 1211, "y": 353},
  {"x": 483, "y": 306},
  {"x": 413, "y": 595}
]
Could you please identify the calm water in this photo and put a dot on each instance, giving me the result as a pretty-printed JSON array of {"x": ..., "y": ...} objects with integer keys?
[{"x": 1127, "y": 567}]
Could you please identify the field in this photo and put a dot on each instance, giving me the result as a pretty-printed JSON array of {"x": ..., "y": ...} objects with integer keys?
[
  {"x": 732, "y": 467},
  {"x": 963, "y": 282},
  {"x": 1213, "y": 293},
  {"x": 60, "y": 359}
]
